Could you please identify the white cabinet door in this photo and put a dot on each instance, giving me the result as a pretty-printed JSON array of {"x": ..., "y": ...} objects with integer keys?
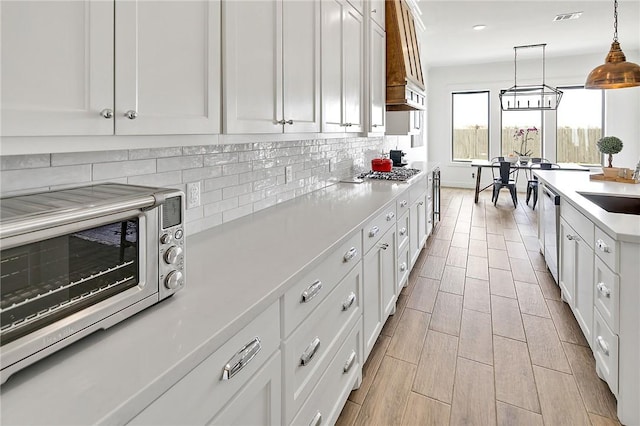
[
  {"x": 353, "y": 69},
  {"x": 584, "y": 288},
  {"x": 377, "y": 12},
  {"x": 301, "y": 47},
  {"x": 342, "y": 67},
  {"x": 271, "y": 66},
  {"x": 417, "y": 230},
  {"x": 332, "y": 105},
  {"x": 567, "y": 248},
  {"x": 379, "y": 287},
  {"x": 57, "y": 67},
  {"x": 252, "y": 66},
  {"x": 167, "y": 67},
  {"x": 377, "y": 80},
  {"x": 260, "y": 400}
]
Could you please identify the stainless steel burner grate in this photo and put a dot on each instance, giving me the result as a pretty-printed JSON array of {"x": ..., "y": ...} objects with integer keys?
[{"x": 396, "y": 174}]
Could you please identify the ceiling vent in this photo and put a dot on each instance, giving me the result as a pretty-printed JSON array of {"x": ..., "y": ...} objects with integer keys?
[{"x": 567, "y": 16}]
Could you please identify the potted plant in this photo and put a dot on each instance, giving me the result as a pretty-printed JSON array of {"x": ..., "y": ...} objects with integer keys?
[{"x": 610, "y": 145}]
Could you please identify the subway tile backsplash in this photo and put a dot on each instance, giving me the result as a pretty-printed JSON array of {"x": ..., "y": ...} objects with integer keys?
[{"x": 236, "y": 180}]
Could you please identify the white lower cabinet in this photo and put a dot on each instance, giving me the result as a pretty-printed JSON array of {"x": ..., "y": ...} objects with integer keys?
[
  {"x": 309, "y": 350},
  {"x": 201, "y": 395},
  {"x": 567, "y": 255},
  {"x": 583, "y": 301},
  {"x": 417, "y": 229},
  {"x": 605, "y": 351},
  {"x": 379, "y": 287},
  {"x": 343, "y": 374}
]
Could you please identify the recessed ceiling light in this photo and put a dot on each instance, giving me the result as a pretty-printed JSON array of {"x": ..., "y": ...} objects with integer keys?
[
  {"x": 567, "y": 16},
  {"x": 479, "y": 27}
]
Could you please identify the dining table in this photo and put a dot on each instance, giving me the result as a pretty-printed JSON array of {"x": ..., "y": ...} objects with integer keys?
[{"x": 517, "y": 166}]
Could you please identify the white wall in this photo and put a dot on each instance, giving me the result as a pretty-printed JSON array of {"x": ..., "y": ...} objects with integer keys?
[{"x": 622, "y": 107}]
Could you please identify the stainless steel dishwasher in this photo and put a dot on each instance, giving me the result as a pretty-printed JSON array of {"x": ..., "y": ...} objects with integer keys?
[{"x": 551, "y": 224}]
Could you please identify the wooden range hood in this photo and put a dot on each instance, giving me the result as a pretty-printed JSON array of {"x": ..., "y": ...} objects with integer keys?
[{"x": 405, "y": 83}]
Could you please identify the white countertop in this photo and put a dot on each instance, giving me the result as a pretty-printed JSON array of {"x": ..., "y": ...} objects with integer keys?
[
  {"x": 622, "y": 227},
  {"x": 234, "y": 271}
]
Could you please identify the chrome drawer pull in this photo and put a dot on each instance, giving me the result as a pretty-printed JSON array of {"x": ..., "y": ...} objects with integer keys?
[
  {"x": 374, "y": 231},
  {"x": 603, "y": 246},
  {"x": 403, "y": 203},
  {"x": 353, "y": 252},
  {"x": 242, "y": 358},
  {"x": 390, "y": 216},
  {"x": 317, "y": 419},
  {"x": 383, "y": 246},
  {"x": 403, "y": 230},
  {"x": 403, "y": 266},
  {"x": 421, "y": 203},
  {"x": 349, "y": 301},
  {"x": 573, "y": 237},
  {"x": 349, "y": 363},
  {"x": 603, "y": 345},
  {"x": 604, "y": 290},
  {"x": 311, "y": 291},
  {"x": 311, "y": 350}
]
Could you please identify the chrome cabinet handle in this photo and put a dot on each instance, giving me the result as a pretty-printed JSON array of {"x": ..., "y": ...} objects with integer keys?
[
  {"x": 374, "y": 231},
  {"x": 349, "y": 301},
  {"x": 242, "y": 358},
  {"x": 280, "y": 122},
  {"x": 131, "y": 114},
  {"x": 390, "y": 216},
  {"x": 428, "y": 197},
  {"x": 403, "y": 266},
  {"x": 403, "y": 203},
  {"x": 403, "y": 230},
  {"x": 602, "y": 288},
  {"x": 603, "y": 246},
  {"x": 311, "y": 291},
  {"x": 383, "y": 246},
  {"x": 573, "y": 237},
  {"x": 603, "y": 345},
  {"x": 317, "y": 419},
  {"x": 374, "y": 125},
  {"x": 289, "y": 122},
  {"x": 107, "y": 113},
  {"x": 421, "y": 203},
  {"x": 353, "y": 252},
  {"x": 350, "y": 361},
  {"x": 374, "y": 11},
  {"x": 311, "y": 350}
]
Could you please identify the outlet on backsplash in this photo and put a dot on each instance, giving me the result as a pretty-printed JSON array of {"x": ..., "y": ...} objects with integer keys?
[{"x": 193, "y": 194}]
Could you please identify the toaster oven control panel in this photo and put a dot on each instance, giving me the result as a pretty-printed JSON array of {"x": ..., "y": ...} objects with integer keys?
[{"x": 172, "y": 246}]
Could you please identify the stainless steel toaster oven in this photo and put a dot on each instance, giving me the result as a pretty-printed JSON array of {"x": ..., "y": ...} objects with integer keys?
[{"x": 78, "y": 260}]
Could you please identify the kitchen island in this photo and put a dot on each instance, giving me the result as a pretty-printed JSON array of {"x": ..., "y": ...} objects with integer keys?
[
  {"x": 599, "y": 270},
  {"x": 236, "y": 276}
]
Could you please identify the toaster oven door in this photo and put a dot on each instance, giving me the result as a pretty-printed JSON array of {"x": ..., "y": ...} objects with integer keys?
[{"x": 57, "y": 282}]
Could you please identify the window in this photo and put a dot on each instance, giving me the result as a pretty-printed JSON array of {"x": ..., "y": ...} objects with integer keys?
[
  {"x": 470, "y": 119},
  {"x": 579, "y": 126},
  {"x": 522, "y": 133}
]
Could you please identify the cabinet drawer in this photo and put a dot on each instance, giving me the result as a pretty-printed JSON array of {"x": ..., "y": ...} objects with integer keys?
[
  {"x": 417, "y": 192},
  {"x": 605, "y": 351},
  {"x": 326, "y": 401},
  {"x": 579, "y": 222},
  {"x": 310, "y": 291},
  {"x": 199, "y": 395},
  {"x": 404, "y": 260},
  {"x": 607, "y": 294},
  {"x": 402, "y": 203},
  {"x": 606, "y": 248},
  {"x": 317, "y": 340},
  {"x": 376, "y": 228},
  {"x": 403, "y": 230}
]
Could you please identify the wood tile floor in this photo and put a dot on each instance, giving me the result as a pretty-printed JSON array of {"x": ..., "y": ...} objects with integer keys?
[{"x": 480, "y": 335}]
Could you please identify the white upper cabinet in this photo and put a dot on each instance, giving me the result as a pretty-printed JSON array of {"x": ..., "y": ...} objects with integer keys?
[
  {"x": 377, "y": 79},
  {"x": 376, "y": 12},
  {"x": 57, "y": 67},
  {"x": 167, "y": 67},
  {"x": 342, "y": 67},
  {"x": 271, "y": 66}
]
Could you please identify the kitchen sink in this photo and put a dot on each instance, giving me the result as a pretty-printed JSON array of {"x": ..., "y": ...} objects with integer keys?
[{"x": 614, "y": 203}]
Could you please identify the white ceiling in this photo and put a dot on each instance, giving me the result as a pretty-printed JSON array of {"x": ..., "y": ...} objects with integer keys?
[{"x": 450, "y": 40}]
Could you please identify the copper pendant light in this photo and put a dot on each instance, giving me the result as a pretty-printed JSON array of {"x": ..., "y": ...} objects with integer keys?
[{"x": 616, "y": 73}]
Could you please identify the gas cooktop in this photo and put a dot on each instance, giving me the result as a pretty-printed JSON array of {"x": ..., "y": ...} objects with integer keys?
[{"x": 396, "y": 174}]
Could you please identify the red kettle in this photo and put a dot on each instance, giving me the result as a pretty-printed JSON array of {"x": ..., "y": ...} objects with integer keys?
[{"x": 381, "y": 164}]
